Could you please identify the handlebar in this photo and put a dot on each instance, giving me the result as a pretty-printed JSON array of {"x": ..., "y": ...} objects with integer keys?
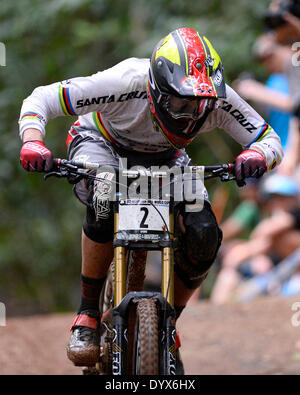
[{"x": 64, "y": 168}]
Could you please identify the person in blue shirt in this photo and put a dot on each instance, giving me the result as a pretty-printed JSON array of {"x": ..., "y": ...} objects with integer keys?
[
  {"x": 280, "y": 120},
  {"x": 273, "y": 57}
]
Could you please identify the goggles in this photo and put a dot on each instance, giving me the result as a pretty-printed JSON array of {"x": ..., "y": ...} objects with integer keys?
[{"x": 186, "y": 108}]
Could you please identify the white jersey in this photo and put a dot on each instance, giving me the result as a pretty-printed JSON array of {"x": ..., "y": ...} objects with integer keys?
[{"x": 114, "y": 103}]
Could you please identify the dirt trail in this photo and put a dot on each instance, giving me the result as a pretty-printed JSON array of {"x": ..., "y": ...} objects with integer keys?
[{"x": 251, "y": 338}]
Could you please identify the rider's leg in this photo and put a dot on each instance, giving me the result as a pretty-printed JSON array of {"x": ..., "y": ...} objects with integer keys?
[
  {"x": 199, "y": 241},
  {"x": 83, "y": 348},
  {"x": 182, "y": 295},
  {"x": 97, "y": 254},
  {"x": 97, "y": 238},
  {"x": 96, "y": 257}
]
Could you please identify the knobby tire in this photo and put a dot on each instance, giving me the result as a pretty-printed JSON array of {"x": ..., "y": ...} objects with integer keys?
[{"x": 147, "y": 346}]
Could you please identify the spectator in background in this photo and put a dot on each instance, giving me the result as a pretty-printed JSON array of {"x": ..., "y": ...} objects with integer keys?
[
  {"x": 274, "y": 96},
  {"x": 285, "y": 227},
  {"x": 245, "y": 217},
  {"x": 264, "y": 249},
  {"x": 283, "y": 18}
]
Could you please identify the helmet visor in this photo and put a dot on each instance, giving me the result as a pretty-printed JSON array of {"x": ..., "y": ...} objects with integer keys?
[{"x": 186, "y": 108}]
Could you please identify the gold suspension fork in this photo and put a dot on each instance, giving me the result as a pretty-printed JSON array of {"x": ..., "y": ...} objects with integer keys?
[
  {"x": 167, "y": 268},
  {"x": 120, "y": 268}
]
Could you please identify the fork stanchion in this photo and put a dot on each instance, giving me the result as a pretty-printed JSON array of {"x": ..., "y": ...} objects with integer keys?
[
  {"x": 120, "y": 268},
  {"x": 167, "y": 274},
  {"x": 167, "y": 265},
  {"x": 120, "y": 274}
]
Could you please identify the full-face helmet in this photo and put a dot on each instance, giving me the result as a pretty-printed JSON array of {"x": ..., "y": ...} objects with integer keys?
[{"x": 185, "y": 80}]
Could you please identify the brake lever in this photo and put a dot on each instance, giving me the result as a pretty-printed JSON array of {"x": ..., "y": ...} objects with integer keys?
[
  {"x": 69, "y": 167},
  {"x": 58, "y": 174},
  {"x": 226, "y": 177}
]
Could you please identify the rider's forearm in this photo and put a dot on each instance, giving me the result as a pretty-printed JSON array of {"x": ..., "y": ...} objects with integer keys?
[
  {"x": 269, "y": 145},
  {"x": 248, "y": 128},
  {"x": 259, "y": 151},
  {"x": 32, "y": 135}
]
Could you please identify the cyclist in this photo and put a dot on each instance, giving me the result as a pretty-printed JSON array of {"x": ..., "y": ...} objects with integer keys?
[{"x": 147, "y": 111}]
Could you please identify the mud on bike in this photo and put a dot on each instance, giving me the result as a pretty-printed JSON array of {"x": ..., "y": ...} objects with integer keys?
[{"x": 138, "y": 331}]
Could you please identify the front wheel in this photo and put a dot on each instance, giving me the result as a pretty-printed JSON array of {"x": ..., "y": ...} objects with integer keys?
[{"x": 146, "y": 338}]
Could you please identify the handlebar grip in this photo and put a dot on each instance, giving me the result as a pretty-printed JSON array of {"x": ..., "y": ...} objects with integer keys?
[
  {"x": 231, "y": 168},
  {"x": 56, "y": 163}
]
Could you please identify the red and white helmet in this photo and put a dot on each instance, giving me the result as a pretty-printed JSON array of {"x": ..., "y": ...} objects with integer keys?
[{"x": 185, "y": 80}]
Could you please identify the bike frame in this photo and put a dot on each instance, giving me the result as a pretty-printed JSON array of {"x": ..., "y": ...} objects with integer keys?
[
  {"x": 123, "y": 300},
  {"x": 127, "y": 240}
]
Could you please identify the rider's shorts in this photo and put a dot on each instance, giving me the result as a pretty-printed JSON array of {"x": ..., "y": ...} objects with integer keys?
[
  {"x": 200, "y": 241},
  {"x": 92, "y": 147}
]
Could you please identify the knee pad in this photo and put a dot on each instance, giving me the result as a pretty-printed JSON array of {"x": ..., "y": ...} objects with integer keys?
[
  {"x": 100, "y": 231},
  {"x": 98, "y": 221},
  {"x": 202, "y": 237},
  {"x": 197, "y": 246},
  {"x": 100, "y": 195}
]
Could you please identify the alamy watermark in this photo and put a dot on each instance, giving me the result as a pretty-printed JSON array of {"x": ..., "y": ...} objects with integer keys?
[
  {"x": 180, "y": 184},
  {"x": 2, "y": 54},
  {"x": 2, "y": 314},
  {"x": 296, "y": 56},
  {"x": 295, "y": 320}
]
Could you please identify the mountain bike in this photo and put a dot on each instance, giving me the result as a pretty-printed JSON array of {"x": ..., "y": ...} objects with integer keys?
[{"x": 138, "y": 330}]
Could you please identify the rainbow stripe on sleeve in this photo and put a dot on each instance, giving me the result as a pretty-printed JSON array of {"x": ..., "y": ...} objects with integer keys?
[
  {"x": 99, "y": 123},
  {"x": 31, "y": 115},
  {"x": 265, "y": 130},
  {"x": 274, "y": 162},
  {"x": 65, "y": 101}
]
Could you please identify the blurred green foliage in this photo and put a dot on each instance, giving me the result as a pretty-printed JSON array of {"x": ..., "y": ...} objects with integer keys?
[{"x": 48, "y": 41}]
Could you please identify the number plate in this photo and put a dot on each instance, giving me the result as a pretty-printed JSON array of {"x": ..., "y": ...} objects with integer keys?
[{"x": 143, "y": 217}]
